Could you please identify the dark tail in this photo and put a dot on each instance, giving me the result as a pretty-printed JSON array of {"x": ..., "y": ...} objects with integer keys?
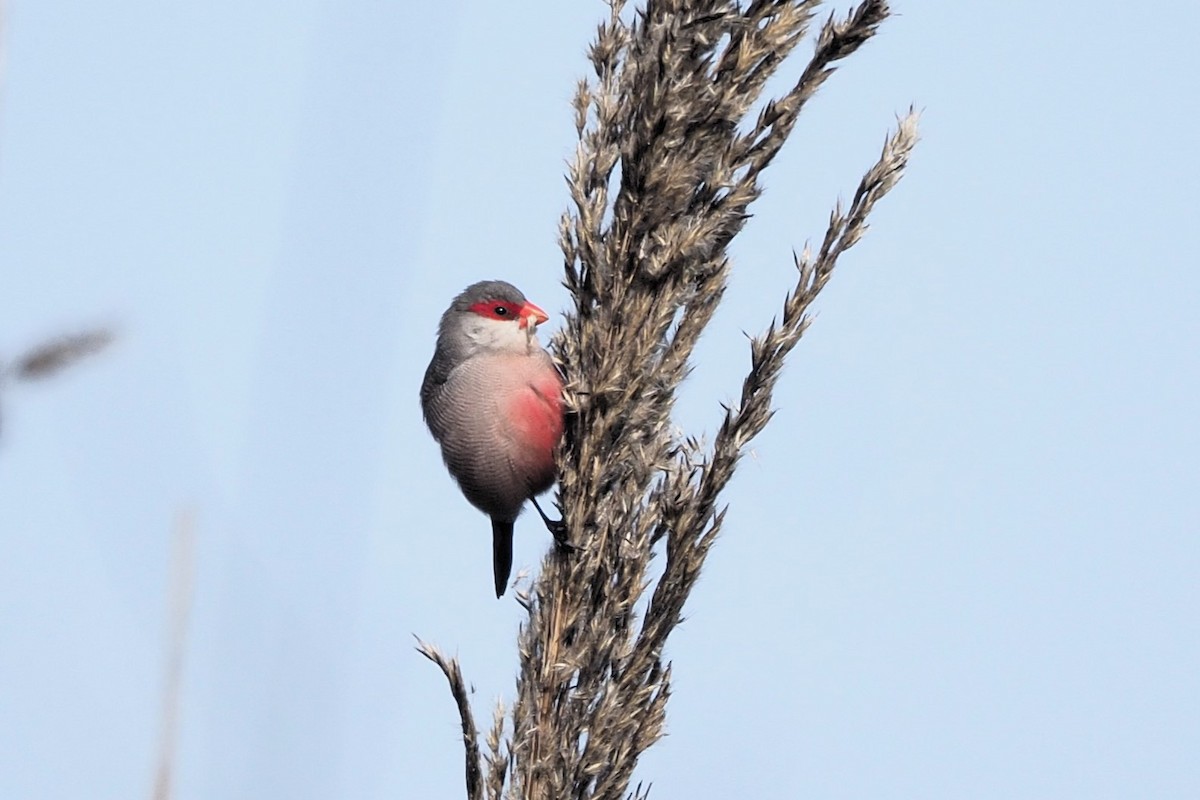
[{"x": 502, "y": 535}]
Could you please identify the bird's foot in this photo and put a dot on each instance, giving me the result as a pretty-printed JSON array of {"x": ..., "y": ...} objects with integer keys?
[{"x": 557, "y": 528}]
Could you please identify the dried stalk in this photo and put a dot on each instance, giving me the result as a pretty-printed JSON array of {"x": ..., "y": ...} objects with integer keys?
[{"x": 458, "y": 688}]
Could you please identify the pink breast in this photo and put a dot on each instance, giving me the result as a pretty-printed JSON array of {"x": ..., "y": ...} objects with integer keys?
[{"x": 537, "y": 418}]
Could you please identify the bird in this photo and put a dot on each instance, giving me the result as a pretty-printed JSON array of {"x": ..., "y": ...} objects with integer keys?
[{"x": 492, "y": 398}]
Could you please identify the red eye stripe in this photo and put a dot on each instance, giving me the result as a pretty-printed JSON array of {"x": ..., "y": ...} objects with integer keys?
[{"x": 497, "y": 309}]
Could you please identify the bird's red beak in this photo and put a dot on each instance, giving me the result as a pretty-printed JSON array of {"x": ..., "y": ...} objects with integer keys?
[{"x": 532, "y": 315}]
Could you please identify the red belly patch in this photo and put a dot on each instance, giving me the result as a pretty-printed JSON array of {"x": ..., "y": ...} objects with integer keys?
[{"x": 536, "y": 418}]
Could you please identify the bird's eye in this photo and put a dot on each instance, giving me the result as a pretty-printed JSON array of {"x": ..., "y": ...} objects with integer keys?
[{"x": 500, "y": 311}]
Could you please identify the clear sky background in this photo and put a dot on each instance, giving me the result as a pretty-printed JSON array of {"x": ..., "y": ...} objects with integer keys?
[{"x": 961, "y": 562}]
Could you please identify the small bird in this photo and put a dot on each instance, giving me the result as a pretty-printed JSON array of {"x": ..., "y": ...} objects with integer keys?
[{"x": 492, "y": 399}]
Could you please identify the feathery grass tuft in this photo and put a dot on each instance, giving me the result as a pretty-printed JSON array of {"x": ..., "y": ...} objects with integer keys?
[{"x": 673, "y": 136}]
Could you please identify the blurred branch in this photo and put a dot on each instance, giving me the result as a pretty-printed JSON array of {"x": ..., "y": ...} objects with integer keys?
[
  {"x": 181, "y": 585},
  {"x": 55, "y": 355},
  {"x": 3, "y": 44},
  {"x": 52, "y": 357}
]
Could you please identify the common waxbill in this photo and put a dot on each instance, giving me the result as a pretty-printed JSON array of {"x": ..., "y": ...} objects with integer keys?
[{"x": 493, "y": 400}]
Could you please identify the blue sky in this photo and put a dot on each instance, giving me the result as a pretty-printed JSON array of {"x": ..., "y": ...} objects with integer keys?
[{"x": 962, "y": 561}]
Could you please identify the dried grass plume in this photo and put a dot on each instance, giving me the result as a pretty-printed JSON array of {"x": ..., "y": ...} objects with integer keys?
[{"x": 674, "y": 135}]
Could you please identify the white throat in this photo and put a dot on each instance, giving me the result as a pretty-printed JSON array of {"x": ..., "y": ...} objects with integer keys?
[{"x": 499, "y": 335}]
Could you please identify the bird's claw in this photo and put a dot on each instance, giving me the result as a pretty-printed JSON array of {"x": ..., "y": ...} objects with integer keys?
[
  {"x": 562, "y": 540},
  {"x": 557, "y": 528}
]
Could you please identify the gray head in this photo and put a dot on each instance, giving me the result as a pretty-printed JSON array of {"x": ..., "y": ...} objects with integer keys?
[
  {"x": 489, "y": 315},
  {"x": 485, "y": 291}
]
